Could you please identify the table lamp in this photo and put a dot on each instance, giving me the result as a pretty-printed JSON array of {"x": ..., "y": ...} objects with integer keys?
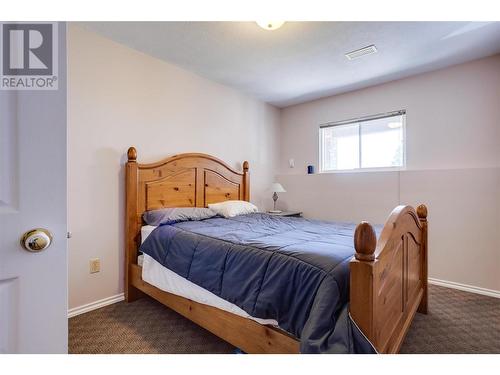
[{"x": 276, "y": 188}]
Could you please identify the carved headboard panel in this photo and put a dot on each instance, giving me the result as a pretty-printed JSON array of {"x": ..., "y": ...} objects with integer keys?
[{"x": 184, "y": 180}]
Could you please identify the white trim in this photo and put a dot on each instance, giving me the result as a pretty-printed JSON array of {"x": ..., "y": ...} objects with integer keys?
[
  {"x": 95, "y": 305},
  {"x": 447, "y": 284},
  {"x": 465, "y": 287}
]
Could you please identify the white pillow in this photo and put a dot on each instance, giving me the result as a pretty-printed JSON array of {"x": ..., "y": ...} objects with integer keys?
[{"x": 233, "y": 208}]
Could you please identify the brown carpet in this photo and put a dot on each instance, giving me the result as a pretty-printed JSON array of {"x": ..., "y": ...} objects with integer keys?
[{"x": 458, "y": 322}]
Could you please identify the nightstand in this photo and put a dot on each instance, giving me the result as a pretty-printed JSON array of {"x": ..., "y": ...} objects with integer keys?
[{"x": 286, "y": 213}]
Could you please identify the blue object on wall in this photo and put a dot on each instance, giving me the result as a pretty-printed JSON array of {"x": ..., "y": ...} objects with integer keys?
[{"x": 310, "y": 169}]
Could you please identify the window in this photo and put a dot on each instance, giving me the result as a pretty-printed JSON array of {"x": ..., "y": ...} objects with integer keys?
[{"x": 364, "y": 143}]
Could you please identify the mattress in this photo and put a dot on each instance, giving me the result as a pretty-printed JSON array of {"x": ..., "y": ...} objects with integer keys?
[{"x": 161, "y": 277}]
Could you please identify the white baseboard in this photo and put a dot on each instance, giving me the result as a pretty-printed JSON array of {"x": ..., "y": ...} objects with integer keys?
[
  {"x": 465, "y": 287},
  {"x": 448, "y": 284},
  {"x": 95, "y": 305}
]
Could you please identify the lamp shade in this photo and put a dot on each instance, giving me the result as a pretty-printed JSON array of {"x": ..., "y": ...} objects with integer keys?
[{"x": 276, "y": 187}]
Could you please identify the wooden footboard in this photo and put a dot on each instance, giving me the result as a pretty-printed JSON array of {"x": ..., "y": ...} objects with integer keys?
[{"x": 389, "y": 278}]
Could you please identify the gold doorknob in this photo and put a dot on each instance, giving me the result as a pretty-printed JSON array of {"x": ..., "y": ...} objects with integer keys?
[{"x": 36, "y": 240}]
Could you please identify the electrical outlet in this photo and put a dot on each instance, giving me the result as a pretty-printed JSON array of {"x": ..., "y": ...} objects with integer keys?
[{"x": 95, "y": 265}]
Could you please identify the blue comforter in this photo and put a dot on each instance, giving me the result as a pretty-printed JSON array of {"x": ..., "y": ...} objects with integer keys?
[{"x": 293, "y": 270}]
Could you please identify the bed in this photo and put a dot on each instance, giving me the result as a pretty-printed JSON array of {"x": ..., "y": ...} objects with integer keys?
[{"x": 387, "y": 275}]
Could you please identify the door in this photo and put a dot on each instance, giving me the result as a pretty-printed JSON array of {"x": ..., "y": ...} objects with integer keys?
[{"x": 33, "y": 285}]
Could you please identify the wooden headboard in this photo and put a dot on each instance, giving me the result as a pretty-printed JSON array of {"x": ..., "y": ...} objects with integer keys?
[{"x": 184, "y": 180}]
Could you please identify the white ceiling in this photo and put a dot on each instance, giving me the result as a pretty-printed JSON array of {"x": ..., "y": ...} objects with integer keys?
[{"x": 302, "y": 61}]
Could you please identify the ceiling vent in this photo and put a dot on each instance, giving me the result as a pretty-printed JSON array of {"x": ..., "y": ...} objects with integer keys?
[{"x": 361, "y": 52}]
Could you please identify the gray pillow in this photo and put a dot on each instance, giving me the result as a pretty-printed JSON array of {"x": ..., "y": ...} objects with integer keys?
[{"x": 176, "y": 214}]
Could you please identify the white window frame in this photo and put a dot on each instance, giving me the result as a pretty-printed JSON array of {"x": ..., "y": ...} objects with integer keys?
[{"x": 358, "y": 120}]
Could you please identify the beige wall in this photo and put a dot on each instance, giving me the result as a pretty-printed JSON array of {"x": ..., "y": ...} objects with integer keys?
[
  {"x": 453, "y": 165},
  {"x": 118, "y": 97}
]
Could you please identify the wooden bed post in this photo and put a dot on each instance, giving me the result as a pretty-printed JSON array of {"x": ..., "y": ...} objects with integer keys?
[
  {"x": 422, "y": 217},
  {"x": 365, "y": 242},
  {"x": 246, "y": 182},
  {"x": 361, "y": 307},
  {"x": 131, "y": 225}
]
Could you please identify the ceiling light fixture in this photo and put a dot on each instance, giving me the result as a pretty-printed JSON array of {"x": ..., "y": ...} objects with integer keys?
[
  {"x": 361, "y": 52},
  {"x": 270, "y": 25}
]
